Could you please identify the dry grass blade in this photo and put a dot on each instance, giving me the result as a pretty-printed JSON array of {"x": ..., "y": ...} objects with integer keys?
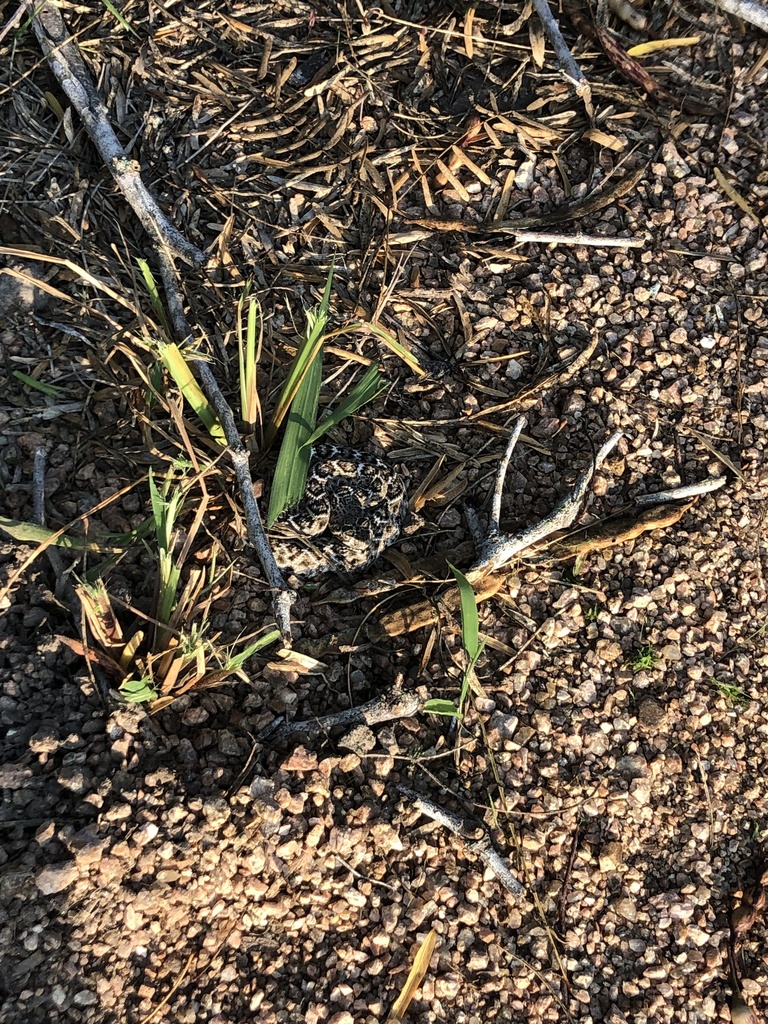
[
  {"x": 719, "y": 455},
  {"x": 737, "y": 198},
  {"x": 73, "y": 268},
  {"x": 101, "y": 618},
  {"x": 415, "y": 977}
]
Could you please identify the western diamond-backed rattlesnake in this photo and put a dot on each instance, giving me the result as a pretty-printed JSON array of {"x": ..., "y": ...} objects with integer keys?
[{"x": 353, "y": 508}]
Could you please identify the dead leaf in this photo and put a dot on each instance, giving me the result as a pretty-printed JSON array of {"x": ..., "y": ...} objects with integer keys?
[{"x": 415, "y": 977}]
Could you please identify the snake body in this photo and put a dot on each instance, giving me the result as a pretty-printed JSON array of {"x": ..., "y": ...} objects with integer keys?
[{"x": 353, "y": 508}]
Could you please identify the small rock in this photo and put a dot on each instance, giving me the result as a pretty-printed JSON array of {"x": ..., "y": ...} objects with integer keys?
[
  {"x": 56, "y": 877},
  {"x": 626, "y": 908},
  {"x": 502, "y": 727},
  {"x": 87, "y": 846},
  {"x": 524, "y": 175},
  {"x": 194, "y": 716},
  {"x": 611, "y": 857},
  {"x": 640, "y": 790},
  {"x": 14, "y": 776},
  {"x": 301, "y": 760},
  {"x": 541, "y": 722},
  {"x": 216, "y": 811},
  {"x": 145, "y": 833},
  {"x": 708, "y": 265},
  {"x": 45, "y": 741},
  {"x": 75, "y": 779},
  {"x": 85, "y": 998},
  {"x": 59, "y": 997},
  {"x": 46, "y": 832},
  {"x": 448, "y": 987},
  {"x": 632, "y": 766},
  {"x": 650, "y": 713},
  {"x": 361, "y": 740}
]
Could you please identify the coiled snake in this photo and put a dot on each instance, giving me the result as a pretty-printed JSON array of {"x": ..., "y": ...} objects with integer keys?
[{"x": 353, "y": 508}]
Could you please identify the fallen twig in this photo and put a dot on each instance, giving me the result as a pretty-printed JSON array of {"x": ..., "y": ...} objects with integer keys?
[
  {"x": 565, "y": 58},
  {"x": 70, "y": 69},
  {"x": 393, "y": 703},
  {"x": 748, "y": 10},
  {"x": 498, "y": 549},
  {"x": 598, "y": 241},
  {"x": 67, "y": 64},
  {"x": 681, "y": 493},
  {"x": 473, "y": 834}
]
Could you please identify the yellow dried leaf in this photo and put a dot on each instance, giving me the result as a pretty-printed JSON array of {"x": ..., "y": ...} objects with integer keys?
[
  {"x": 415, "y": 977},
  {"x": 654, "y": 45},
  {"x": 538, "y": 43},
  {"x": 603, "y": 139}
]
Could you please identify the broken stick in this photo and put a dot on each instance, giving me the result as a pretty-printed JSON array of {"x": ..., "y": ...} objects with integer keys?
[{"x": 69, "y": 68}]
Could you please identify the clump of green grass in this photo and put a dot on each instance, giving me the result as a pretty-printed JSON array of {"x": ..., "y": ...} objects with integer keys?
[
  {"x": 172, "y": 650},
  {"x": 298, "y": 405},
  {"x": 735, "y": 695},
  {"x": 645, "y": 658}
]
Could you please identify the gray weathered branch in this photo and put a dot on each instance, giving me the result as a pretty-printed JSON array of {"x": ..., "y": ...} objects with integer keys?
[{"x": 70, "y": 70}]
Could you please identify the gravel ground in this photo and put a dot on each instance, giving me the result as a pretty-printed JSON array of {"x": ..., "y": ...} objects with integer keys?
[{"x": 175, "y": 868}]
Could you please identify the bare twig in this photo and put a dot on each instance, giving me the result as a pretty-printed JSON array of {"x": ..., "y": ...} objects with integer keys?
[
  {"x": 494, "y": 527},
  {"x": 598, "y": 241},
  {"x": 69, "y": 67},
  {"x": 681, "y": 493},
  {"x": 565, "y": 58},
  {"x": 499, "y": 549},
  {"x": 393, "y": 703},
  {"x": 38, "y": 486},
  {"x": 467, "y": 828},
  {"x": 748, "y": 10}
]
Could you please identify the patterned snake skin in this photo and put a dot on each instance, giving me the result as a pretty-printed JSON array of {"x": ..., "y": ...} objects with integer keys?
[{"x": 353, "y": 508}]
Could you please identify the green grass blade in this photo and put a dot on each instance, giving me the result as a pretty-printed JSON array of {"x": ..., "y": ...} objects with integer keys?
[
  {"x": 175, "y": 363},
  {"x": 396, "y": 347},
  {"x": 440, "y": 706},
  {"x": 363, "y": 392},
  {"x": 293, "y": 461},
  {"x": 470, "y": 622},
  {"x": 31, "y": 533},
  {"x": 38, "y": 385},
  {"x": 310, "y": 345},
  {"x": 238, "y": 660},
  {"x": 115, "y": 13},
  {"x": 165, "y": 510},
  {"x": 135, "y": 691},
  {"x": 154, "y": 296}
]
